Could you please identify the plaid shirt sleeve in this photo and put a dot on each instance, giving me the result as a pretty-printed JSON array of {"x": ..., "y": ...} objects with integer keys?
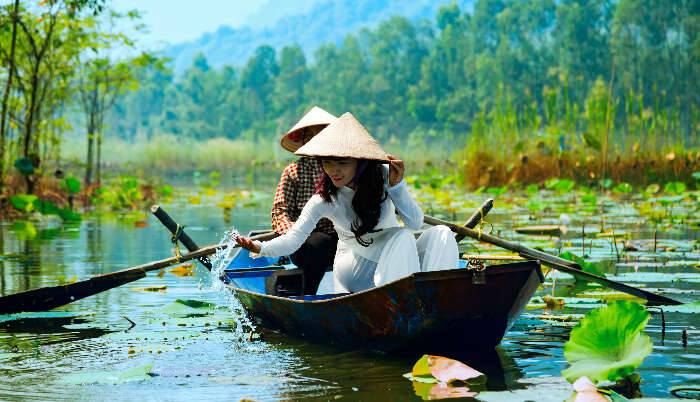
[{"x": 283, "y": 199}]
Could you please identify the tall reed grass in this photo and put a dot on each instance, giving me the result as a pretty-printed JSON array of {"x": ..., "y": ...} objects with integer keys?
[
  {"x": 632, "y": 140},
  {"x": 168, "y": 152}
]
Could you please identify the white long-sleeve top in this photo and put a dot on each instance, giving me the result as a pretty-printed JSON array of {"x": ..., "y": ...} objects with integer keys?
[{"x": 339, "y": 211}]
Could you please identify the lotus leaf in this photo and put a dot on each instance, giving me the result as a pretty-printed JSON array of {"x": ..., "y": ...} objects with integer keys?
[
  {"x": 161, "y": 288},
  {"x": 652, "y": 188},
  {"x": 189, "y": 308},
  {"x": 684, "y": 308},
  {"x": 110, "y": 377},
  {"x": 608, "y": 344},
  {"x": 183, "y": 270},
  {"x": 7, "y": 356},
  {"x": 535, "y": 206},
  {"x": 623, "y": 188},
  {"x": 540, "y": 389},
  {"x": 551, "y": 183},
  {"x": 531, "y": 189},
  {"x": 589, "y": 199},
  {"x": 153, "y": 336},
  {"x": 589, "y": 267},
  {"x": 674, "y": 187},
  {"x": 564, "y": 186},
  {"x": 43, "y": 315},
  {"x": 166, "y": 190}
]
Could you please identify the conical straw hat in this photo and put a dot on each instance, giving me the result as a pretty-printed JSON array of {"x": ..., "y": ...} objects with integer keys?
[
  {"x": 344, "y": 138},
  {"x": 316, "y": 117}
]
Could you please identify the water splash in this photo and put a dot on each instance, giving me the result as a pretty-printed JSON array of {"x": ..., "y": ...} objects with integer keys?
[{"x": 218, "y": 264}]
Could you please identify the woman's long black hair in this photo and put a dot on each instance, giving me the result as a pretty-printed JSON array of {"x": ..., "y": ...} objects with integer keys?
[{"x": 367, "y": 202}]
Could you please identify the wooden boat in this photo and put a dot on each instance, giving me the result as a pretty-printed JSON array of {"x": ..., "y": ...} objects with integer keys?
[{"x": 426, "y": 312}]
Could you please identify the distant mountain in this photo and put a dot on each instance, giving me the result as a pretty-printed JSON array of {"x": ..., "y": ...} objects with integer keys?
[
  {"x": 325, "y": 21},
  {"x": 274, "y": 10}
]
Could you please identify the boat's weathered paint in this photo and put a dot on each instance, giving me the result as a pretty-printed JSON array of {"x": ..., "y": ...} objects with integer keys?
[{"x": 427, "y": 311}]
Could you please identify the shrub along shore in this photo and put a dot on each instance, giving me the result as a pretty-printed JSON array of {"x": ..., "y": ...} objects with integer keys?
[{"x": 140, "y": 174}]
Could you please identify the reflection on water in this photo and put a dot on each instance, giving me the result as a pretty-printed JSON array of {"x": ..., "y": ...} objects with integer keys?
[{"x": 196, "y": 358}]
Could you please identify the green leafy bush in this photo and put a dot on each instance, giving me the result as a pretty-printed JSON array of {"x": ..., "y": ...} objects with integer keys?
[
  {"x": 23, "y": 202},
  {"x": 30, "y": 203},
  {"x": 71, "y": 185}
]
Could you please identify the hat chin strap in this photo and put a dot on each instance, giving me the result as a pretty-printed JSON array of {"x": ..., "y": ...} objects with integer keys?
[{"x": 360, "y": 168}]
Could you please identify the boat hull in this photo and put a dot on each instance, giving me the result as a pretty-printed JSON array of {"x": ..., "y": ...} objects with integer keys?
[{"x": 429, "y": 312}]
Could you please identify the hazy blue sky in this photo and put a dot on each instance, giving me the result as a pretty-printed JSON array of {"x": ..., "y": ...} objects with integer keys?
[{"x": 184, "y": 20}]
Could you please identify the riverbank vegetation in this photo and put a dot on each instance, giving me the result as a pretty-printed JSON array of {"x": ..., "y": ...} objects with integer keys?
[
  {"x": 509, "y": 93},
  {"x": 586, "y": 90}
]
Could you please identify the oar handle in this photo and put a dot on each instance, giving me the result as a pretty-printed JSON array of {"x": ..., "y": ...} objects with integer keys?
[
  {"x": 553, "y": 261},
  {"x": 476, "y": 217},
  {"x": 518, "y": 248},
  {"x": 172, "y": 226}
]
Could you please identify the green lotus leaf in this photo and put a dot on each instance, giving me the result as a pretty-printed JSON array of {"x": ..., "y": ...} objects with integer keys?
[
  {"x": 189, "y": 308},
  {"x": 674, "y": 187},
  {"x": 608, "y": 344},
  {"x": 586, "y": 266},
  {"x": 564, "y": 186},
  {"x": 139, "y": 373},
  {"x": 652, "y": 188},
  {"x": 684, "y": 308},
  {"x": 623, "y": 188}
]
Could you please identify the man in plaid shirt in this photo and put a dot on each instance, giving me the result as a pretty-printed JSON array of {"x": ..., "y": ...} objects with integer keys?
[{"x": 296, "y": 186}]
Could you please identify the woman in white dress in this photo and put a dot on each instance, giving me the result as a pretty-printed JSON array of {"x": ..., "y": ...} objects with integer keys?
[{"x": 361, "y": 196}]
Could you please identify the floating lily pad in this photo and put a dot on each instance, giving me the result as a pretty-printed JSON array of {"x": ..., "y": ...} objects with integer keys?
[
  {"x": 187, "y": 308},
  {"x": 183, "y": 270},
  {"x": 540, "y": 389},
  {"x": 86, "y": 325},
  {"x": 155, "y": 336},
  {"x": 550, "y": 230},
  {"x": 684, "y": 308},
  {"x": 8, "y": 356},
  {"x": 156, "y": 348},
  {"x": 161, "y": 288},
  {"x": 139, "y": 373},
  {"x": 43, "y": 314},
  {"x": 214, "y": 320},
  {"x": 258, "y": 380},
  {"x": 656, "y": 277}
]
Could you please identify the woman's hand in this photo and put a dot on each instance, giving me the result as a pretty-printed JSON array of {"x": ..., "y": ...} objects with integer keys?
[
  {"x": 247, "y": 244},
  {"x": 396, "y": 170}
]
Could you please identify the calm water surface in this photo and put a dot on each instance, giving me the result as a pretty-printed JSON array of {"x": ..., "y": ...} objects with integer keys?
[{"x": 93, "y": 336}]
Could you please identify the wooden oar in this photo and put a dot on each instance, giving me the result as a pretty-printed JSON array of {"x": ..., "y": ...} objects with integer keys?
[
  {"x": 50, "y": 297},
  {"x": 178, "y": 233},
  {"x": 554, "y": 262},
  {"x": 476, "y": 217}
]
